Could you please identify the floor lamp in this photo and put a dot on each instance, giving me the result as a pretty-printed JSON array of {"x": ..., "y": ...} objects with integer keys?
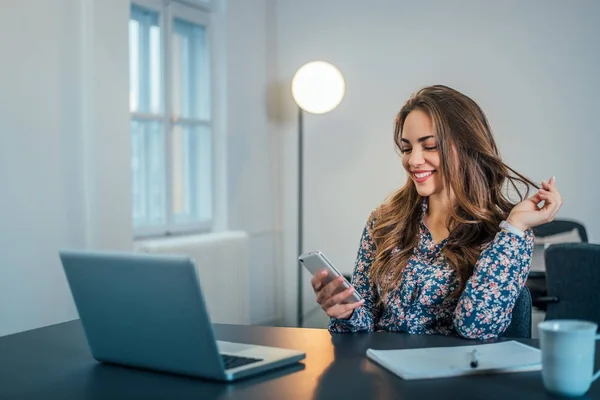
[{"x": 318, "y": 87}]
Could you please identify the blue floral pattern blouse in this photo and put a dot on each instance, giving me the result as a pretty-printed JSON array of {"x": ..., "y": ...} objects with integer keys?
[{"x": 422, "y": 303}]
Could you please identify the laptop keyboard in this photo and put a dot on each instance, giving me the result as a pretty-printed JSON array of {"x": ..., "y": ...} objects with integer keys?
[{"x": 235, "y": 361}]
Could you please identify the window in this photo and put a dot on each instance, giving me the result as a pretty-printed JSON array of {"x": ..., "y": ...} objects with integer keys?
[{"x": 171, "y": 124}]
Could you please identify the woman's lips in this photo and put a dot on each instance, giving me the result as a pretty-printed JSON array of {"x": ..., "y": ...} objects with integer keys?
[{"x": 422, "y": 176}]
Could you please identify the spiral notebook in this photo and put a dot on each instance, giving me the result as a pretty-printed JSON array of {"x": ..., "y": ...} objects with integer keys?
[{"x": 443, "y": 362}]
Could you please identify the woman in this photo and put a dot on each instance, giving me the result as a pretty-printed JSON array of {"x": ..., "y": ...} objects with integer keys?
[{"x": 449, "y": 252}]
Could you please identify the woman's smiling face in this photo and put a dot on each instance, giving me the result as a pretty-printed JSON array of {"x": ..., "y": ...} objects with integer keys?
[{"x": 420, "y": 154}]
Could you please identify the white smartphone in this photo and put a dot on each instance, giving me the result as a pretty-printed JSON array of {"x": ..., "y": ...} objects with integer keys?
[{"x": 316, "y": 261}]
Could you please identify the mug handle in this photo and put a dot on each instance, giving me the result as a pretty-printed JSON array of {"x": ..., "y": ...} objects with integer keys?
[{"x": 597, "y": 374}]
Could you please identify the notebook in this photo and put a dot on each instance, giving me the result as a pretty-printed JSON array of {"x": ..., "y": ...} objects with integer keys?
[{"x": 443, "y": 362}]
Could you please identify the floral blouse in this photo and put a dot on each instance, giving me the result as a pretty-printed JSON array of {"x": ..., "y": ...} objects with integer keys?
[{"x": 422, "y": 303}]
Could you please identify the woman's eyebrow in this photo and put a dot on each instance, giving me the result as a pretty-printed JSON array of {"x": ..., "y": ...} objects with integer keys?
[{"x": 420, "y": 140}]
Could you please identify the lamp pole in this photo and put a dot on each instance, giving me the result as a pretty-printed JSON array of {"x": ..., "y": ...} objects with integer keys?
[{"x": 299, "y": 303}]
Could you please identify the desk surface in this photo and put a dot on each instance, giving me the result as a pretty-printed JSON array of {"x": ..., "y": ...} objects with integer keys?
[{"x": 54, "y": 362}]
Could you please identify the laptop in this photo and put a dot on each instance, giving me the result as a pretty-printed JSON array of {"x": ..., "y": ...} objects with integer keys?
[{"x": 148, "y": 311}]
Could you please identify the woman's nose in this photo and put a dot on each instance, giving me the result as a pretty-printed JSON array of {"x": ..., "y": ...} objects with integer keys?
[{"x": 416, "y": 158}]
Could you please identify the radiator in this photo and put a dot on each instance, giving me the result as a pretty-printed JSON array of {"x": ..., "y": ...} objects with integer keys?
[{"x": 222, "y": 263}]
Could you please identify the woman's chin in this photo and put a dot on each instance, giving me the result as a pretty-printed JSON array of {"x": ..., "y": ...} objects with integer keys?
[{"x": 424, "y": 191}]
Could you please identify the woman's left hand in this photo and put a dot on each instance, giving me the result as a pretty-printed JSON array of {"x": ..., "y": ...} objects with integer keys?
[{"x": 527, "y": 214}]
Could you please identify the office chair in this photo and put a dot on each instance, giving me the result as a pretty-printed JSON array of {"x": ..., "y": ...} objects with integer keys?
[
  {"x": 573, "y": 281},
  {"x": 560, "y": 226},
  {"x": 537, "y": 279},
  {"x": 520, "y": 325}
]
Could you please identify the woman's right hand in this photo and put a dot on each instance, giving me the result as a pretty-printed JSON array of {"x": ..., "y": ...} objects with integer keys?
[{"x": 331, "y": 295}]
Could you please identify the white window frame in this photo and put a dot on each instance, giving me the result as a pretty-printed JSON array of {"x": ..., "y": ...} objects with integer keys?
[
  {"x": 196, "y": 12},
  {"x": 206, "y": 5}
]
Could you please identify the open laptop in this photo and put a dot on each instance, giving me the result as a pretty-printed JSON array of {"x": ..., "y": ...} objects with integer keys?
[{"x": 148, "y": 311}]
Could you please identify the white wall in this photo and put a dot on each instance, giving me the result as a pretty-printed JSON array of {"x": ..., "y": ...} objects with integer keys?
[
  {"x": 105, "y": 94},
  {"x": 37, "y": 159},
  {"x": 59, "y": 148},
  {"x": 533, "y": 66},
  {"x": 252, "y": 151}
]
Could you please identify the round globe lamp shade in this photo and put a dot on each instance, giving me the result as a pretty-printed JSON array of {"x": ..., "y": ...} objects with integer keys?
[{"x": 318, "y": 87}]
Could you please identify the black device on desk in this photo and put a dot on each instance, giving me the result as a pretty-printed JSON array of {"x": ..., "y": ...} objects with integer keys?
[{"x": 148, "y": 311}]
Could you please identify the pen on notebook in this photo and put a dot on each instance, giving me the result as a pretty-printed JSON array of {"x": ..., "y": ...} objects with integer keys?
[{"x": 474, "y": 361}]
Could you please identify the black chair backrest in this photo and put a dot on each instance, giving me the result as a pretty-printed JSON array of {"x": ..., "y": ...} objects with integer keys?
[
  {"x": 560, "y": 226},
  {"x": 537, "y": 278},
  {"x": 520, "y": 325},
  {"x": 573, "y": 276}
]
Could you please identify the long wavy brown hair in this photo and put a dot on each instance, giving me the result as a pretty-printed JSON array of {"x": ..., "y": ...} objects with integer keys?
[{"x": 472, "y": 171}]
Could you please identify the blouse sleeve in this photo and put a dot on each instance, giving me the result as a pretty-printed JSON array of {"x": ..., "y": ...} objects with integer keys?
[
  {"x": 364, "y": 317},
  {"x": 485, "y": 307}
]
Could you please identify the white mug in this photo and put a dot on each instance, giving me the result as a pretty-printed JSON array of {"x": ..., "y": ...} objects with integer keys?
[{"x": 568, "y": 348}]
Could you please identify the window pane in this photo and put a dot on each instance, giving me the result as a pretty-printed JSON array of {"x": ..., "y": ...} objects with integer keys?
[
  {"x": 134, "y": 66},
  {"x": 148, "y": 173},
  {"x": 191, "y": 84},
  {"x": 155, "y": 71},
  {"x": 192, "y": 174},
  {"x": 145, "y": 67},
  {"x": 203, "y": 150},
  {"x": 181, "y": 172}
]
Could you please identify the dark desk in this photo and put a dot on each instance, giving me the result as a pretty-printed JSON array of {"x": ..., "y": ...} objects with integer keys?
[{"x": 54, "y": 363}]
